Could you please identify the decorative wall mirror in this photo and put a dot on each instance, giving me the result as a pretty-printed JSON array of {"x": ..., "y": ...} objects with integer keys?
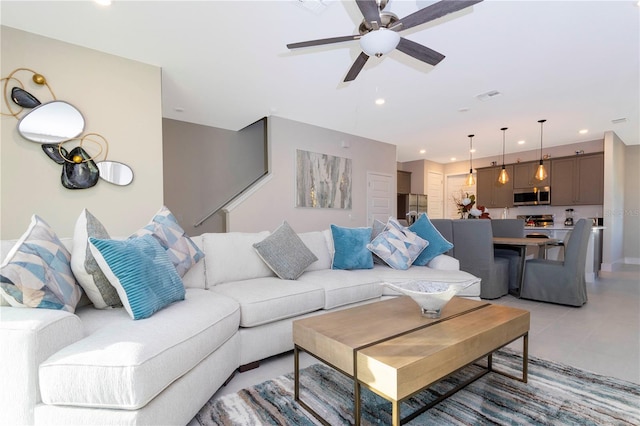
[
  {"x": 56, "y": 123},
  {"x": 53, "y": 122}
]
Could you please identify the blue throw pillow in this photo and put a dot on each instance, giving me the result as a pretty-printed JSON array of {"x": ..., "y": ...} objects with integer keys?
[
  {"x": 141, "y": 271},
  {"x": 437, "y": 243},
  {"x": 350, "y": 246}
]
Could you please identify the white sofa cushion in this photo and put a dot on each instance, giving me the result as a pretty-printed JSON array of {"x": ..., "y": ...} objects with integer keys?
[
  {"x": 316, "y": 241},
  {"x": 264, "y": 300},
  {"x": 124, "y": 364},
  {"x": 230, "y": 256},
  {"x": 342, "y": 287}
]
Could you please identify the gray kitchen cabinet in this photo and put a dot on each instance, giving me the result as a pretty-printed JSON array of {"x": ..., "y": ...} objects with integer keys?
[
  {"x": 404, "y": 182},
  {"x": 523, "y": 174},
  {"x": 577, "y": 180},
  {"x": 489, "y": 192}
]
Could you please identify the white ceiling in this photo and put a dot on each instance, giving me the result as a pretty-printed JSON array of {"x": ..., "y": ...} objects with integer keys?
[{"x": 225, "y": 64}]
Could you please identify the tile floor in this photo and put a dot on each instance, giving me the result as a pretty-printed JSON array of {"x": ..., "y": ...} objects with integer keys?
[{"x": 602, "y": 336}]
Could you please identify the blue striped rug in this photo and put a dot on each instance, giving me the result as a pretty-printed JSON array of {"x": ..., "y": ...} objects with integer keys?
[{"x": 555, "y": 394}]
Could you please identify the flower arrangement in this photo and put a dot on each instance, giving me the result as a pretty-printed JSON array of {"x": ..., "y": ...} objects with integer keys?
[
  {"x": 467, "y": 207},
  {"x": 465, "y": 203}
]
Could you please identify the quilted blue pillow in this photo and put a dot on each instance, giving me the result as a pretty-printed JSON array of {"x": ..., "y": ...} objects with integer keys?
[
  {"x": 141, "y": 271},
  {"x": 350, "y": 246},
  {"x": 437, "y": 243},
  {"x": 37, "y": 271},
  {"x": 181, "y": 249}
]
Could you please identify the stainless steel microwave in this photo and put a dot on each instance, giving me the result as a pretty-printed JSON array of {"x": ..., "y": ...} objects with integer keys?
[{"x": 532, "y": 196}]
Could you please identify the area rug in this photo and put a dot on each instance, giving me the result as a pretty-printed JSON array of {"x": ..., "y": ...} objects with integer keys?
[{"x": 555, "y": 394}]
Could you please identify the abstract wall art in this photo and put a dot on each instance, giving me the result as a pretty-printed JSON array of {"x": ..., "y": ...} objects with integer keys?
[{"x": 322, "y": 181}]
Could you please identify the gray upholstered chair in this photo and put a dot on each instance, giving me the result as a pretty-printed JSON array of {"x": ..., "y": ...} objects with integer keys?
[
  {"x": 509, "y": 228},
  {"x": 561, "y": 282},
  {"x": 473, "y": 247}
]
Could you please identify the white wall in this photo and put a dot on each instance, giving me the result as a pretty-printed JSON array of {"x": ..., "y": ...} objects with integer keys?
[
  {"x": 120, "y": 99},
  {"x": 632, "y": 204},
  {"x": 275, "y": 200},
  {"x": 614, "y": 192}
]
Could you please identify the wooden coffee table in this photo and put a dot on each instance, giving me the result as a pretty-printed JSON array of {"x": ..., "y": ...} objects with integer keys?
[{"x": 391, "y": 349}]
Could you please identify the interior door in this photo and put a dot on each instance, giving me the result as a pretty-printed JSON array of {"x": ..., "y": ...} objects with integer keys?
[
  {"x": 435, "y": 191},
  {"x": 455, "y": 186},
  {"x": 380, "y": 196}
]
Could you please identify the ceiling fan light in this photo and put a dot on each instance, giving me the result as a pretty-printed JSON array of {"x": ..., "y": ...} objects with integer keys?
[{"x": 379, "y": 42}]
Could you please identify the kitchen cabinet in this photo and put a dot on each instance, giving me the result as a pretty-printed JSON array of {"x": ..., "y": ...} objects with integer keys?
[
  {"x": 404, "y": 182},
  {"x": 491, "y": 193},
  {"x": 577, "y": 180},
  {"x": 523, "y": 174}
]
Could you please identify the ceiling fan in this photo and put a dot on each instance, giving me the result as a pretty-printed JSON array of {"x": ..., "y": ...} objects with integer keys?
[{"x": 378, "y": 32}]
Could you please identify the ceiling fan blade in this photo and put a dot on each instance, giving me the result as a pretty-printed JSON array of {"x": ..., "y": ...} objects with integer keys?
[
  {"x": 429, "y": 13},
  {"x": 323, "y": 41},
  {"x": 370, "y": 10},
  {"x": 357, "y": 67},
  {"x": 420, "y": 52}
]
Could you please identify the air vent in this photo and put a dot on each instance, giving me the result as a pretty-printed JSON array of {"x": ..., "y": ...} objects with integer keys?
[
  {"x": 488, "y": 95},
  {"x": 619, "y": 120},
  {"x": 315, "y": 6}
]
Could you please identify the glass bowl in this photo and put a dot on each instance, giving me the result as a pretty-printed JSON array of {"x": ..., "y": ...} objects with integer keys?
[{"x": 431, "y": 296}]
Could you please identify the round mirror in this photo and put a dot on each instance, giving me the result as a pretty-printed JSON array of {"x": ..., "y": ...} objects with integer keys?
[
  {"x": 52, "y": 122},
  {"x": 115, "y": 173}
]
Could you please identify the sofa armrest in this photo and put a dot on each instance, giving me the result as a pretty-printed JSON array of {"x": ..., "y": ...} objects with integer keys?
[
  {"x": 27, "y": 338},
  {"x": 444, "y": 262}
]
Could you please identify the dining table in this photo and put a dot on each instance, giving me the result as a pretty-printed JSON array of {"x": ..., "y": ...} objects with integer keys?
[{"x": 520, "y": 245}]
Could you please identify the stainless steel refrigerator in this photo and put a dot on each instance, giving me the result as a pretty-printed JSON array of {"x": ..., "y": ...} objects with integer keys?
[{"x": 411, "y": 205}]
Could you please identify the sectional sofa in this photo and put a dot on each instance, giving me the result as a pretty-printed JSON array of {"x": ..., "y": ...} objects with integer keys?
[{"x": 99, "y": 366}]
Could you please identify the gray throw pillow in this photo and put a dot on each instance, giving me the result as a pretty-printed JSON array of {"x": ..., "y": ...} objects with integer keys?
[{"x": 285, "y": 253}]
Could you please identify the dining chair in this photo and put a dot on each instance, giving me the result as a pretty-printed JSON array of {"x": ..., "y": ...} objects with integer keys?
[
  {"x": 474, "y": 250},
  {"x": 513, "y": 228},
  {"x": 561, "y": 282}
]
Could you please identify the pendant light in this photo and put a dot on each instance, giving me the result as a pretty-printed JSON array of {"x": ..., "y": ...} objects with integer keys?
[
  {"x": 504, "y": 176},
  {"x": 470, "y": 179},
  {"x": 541, "y": 172}
]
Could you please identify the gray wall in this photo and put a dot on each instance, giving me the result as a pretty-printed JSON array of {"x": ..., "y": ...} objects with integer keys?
[
  {"x": 274, "y": 201},
  {"x": 203, "y": 168}
]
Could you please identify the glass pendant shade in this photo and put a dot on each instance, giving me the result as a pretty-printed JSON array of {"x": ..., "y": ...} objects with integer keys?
[
  {"x": 504, "y": 176},
  {"x": 470, "y": 179},
  {"x": 541, "y": 172}
]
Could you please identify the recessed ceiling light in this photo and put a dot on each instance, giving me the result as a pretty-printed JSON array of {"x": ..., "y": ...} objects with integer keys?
[
  {"x": 521, "y": 142},
  {"x": 423, "y": 151},
  {"x": 583, "y": 131},
  {"x": 380, "y": 101},
  {"x": 453, "y": 158},
  {"x": 103, "y": 2},
  {"x": 472, "y": 150}
]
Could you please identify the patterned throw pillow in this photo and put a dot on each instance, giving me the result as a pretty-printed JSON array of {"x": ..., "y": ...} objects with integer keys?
[
  {"x": 397, "y": 246},
  {"x": 84, "y": 265},
  {"x": 182, "y": 251},
  {"x": 437, "y": 243},
  {"x": 285, "y": 253},
  {"x": 141, "y": 272},
  {"x": 37, "y": 273},
  {"x": 350, "y": 245}
]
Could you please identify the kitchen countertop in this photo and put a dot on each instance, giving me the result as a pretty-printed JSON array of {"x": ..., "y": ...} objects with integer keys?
[{"x": 556, "y": 228}]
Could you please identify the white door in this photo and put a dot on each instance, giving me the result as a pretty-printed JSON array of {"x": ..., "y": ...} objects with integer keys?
[
  {"x": 454, "y": 189},
  {"x": 380, "y": 197},
  {"x": 435, "y": 189}
]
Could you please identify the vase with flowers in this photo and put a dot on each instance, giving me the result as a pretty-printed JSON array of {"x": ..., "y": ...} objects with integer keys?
[{"x": 465, "y": 203}]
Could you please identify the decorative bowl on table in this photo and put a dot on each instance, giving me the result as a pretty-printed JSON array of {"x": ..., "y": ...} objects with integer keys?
[{"x": 431, "y": 296}]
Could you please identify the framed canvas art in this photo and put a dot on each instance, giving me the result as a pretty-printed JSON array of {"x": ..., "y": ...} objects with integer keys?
[{"x": 322, "y": 181}]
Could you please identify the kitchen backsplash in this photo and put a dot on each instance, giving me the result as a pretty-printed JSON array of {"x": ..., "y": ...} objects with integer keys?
[{"x": 579, "y": 212}]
